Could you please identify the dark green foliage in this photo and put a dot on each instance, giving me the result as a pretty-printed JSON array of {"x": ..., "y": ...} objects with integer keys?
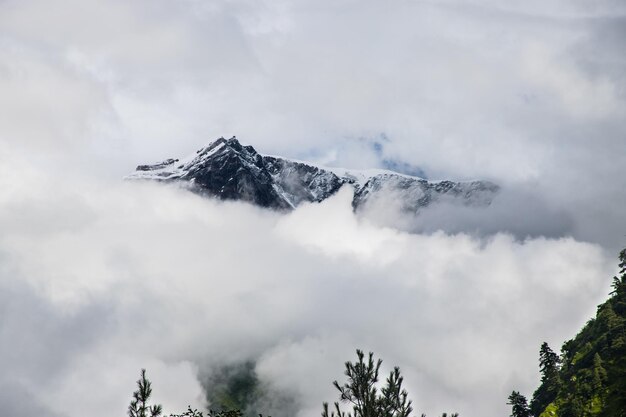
[
  {"x": 548, "y": 390},
  {"x": 589, "y": 378},
  {"x": 394, "y": 400},
  {"x": 236, "y": 386},
  {"x": 548, "y": 363},
  {"x": 232, "y": 387},
  {"x": 619, "y": 284},
  {"x": 599, "y": 376},
  {"x": 195, "y": 413},
  {"x": 139, "y": 404},
  {"x": 519, "y": 405},
  {"x": 362, "y": 393}
]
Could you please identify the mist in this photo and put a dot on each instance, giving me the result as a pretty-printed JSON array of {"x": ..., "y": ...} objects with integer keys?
[
  {"x": 147, "y": 275},
  {"x": 100, "y": 277}
]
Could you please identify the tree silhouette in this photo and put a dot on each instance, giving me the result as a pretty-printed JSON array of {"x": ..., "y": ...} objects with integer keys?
[
  {"x": 519, "y": 405},
  {"x": 139, "y": 404},
  {"x": 362, "y": 393}
]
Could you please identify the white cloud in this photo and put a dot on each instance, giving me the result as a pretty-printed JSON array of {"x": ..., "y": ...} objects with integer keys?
[
  {"x": 99, "y": 279},
  {"x": 149, "y": 275},
  {"x": 528, "y": 96}
]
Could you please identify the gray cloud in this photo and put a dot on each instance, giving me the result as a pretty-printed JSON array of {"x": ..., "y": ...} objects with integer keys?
[
  {"x": 100, "y": 278},
  {"x": 161, "y": 278},
  {"x": 519, "y": 211},
  {"x": 528, "y": 94}
]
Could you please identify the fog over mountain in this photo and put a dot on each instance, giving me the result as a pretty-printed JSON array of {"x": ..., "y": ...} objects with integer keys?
[{"x": 100, "y": 277}]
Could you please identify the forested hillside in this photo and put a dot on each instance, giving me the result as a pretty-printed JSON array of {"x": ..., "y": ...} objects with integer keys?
[{"x": 589, "y": 377}]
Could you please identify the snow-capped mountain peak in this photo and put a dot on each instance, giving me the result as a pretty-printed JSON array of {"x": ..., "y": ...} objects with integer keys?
[{"x": 229, "y": 170}]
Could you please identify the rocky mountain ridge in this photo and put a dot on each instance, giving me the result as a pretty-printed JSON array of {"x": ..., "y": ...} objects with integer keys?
[{"x": 228, "y": 170}]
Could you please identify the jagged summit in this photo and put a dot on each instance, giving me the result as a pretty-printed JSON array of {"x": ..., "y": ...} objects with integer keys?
[{"x": 229, "y": 170}]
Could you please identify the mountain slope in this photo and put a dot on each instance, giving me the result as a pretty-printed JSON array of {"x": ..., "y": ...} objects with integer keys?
[
  {"x": 228, "y": 170},
  {"x": 589, "y": 377}
]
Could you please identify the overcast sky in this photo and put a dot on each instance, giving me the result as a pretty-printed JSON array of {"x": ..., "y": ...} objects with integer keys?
[{"x": 99, "y": 277}]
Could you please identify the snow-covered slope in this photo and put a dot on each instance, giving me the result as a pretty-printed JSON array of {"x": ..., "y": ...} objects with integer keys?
[{"x": 228, "y": 170}]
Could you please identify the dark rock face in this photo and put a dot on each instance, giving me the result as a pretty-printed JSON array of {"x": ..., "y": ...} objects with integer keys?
[
  {"x": 228, "y": 170},
  {"x": 413, "y": 193},
  {"x": 302, "y": 182},
  {"x": 158, "y": 165},
  {"x": 234, "y": 172}
]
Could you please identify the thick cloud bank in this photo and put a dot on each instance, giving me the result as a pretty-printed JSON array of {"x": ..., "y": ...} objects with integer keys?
[
  {"x": 530, "y": 96},
  {"x": 98, "y": 280}
]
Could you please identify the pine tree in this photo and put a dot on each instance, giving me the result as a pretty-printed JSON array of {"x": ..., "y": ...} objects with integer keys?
[
  {"x": 394, "y": 401},
  {"x": 362, "y": 393},
  {"x": 519, "y": 405},
  {"x": 139, "y": 404},
  {"x": 546, "y": 393},
  {"x": 548, "y": 363}
]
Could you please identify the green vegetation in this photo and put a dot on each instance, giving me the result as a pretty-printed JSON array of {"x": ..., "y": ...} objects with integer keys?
[
  {"x": 588, "y": 379},
  {"x": 139, "y": 404},
  {"x": 233, "y": 387},
  {"x": 192, "y": 412},
  {"x": 519, "y": 405},
  {"x": 361, "y": 391},
  {"x": 367, "y": 400}
]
